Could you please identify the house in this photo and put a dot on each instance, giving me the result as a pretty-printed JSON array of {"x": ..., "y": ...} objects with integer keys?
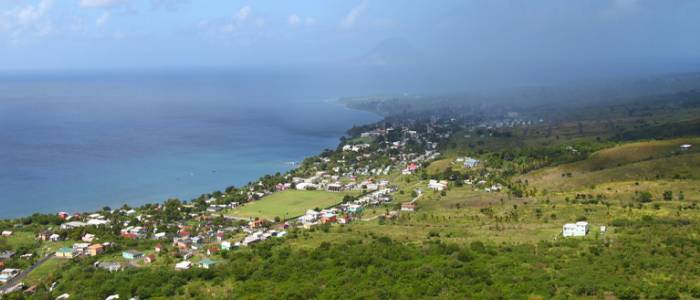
[
  {"x": 183, "y": 265},
  {"x": 206, "y": 263},
  {"x": 328, "y": 218},
  {"x": 225, "y": 245},
  {"x": 212, "y": 250},
  {"x": 575, "y": 229},
  {"x": 220, "y": 236},
  {"x": 150, "y": 258},
  {"x": 256, "y": 223},
  {"x": 183, "y": 244},
  {"x": 334, "y": 187},
  {"x": 437, "y": 186},
  {"x": 63, "y": 215},
  {"x": 686, "y": 147},
  {"x": 73, "y": 224},
  {"x": 89, "y": 238},
  {"x": 80, "y": 248},
  {"x": 6, "y": 254},
  {"x": 408, "y": 206},
  {"x": 470, "y": 163},
  {"x": 302, "y": 186},
  {"x": 55, "y": 237},
  {"x": 131, "y": 255},
  {"x": 97, "y": 222},
  {"x": 109, "y": 266},
  {"x": 310, "y": 216},
  {"x": 6, "y": 233},
  {"x": 65, "y": 252},
  {"x": 158, "y": 248},
  {"x": 355, "y": 208},
  {"x": 94, "y": 250},
  {"x": 8, "y": 274}
]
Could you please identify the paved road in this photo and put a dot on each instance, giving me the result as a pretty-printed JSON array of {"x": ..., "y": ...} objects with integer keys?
[{"x": 14, "y": 281}]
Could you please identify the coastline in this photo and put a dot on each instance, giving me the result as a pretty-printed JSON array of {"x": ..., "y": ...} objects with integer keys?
[{"x": 281, "y": 164}]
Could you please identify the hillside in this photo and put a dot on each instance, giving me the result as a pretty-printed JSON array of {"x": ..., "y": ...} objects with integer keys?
[{"x": 642, "y": 161}]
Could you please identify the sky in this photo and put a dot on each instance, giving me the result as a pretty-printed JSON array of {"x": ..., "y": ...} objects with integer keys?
[{"x": 96, "y": 34}]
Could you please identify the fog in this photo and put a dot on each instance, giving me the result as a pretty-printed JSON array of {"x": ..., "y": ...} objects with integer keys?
[{"x": 397, "y": 46}]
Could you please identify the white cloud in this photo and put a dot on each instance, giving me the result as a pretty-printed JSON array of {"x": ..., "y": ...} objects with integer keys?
[
  {"x": 100, "y": 3},
  {"x": 242, "y": 14},
  {"x": 28, "y": 21},
  {"x": 293, "y": 20},
  {"x": 350, "y": 19},
  {"x": 103, "y": 19}
]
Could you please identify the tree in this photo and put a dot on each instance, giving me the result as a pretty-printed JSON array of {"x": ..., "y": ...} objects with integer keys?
[{"x": 668, "y": 195}]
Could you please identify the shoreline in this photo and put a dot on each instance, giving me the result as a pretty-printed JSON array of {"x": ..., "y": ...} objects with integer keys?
[{"x": 284, "y": 167}]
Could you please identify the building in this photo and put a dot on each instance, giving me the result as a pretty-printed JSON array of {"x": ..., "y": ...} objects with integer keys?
[
  {"x": 130, "y": 255},
  {"x": 686, "y": 147},
  {"x": 334, "y": 187},
  {"x": 150, "y": 258},
  {"x": 8, "y": 274},
  {"x": 65, "y": 252},
  {"x": 470, "y": 163},
  {"x": 183, "y": 265},
  {"x": 437, "y": 186},
  {"x": 94, "y": 250},
  {"x": 88, "y": 238},
  {"x": 328, "y": 218},
  {"x": 109, "y": 266},
  {"x": 6, "y": 233},
  {"x": 575, "y": 229},
  {"x": 408, "y": 206},
  {"x": 354, "y": 208},
  {"x": 206, "y": 263}
]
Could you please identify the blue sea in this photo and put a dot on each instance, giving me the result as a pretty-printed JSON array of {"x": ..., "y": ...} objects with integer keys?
[{"x": 84, "y": 140}]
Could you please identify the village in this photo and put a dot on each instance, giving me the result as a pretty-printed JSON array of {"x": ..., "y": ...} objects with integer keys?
[{"x": 382, "y": 173}]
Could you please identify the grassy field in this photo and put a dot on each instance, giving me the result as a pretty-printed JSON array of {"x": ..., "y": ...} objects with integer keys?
[
  {"x": 642, "y": 161},
  {"x": 287, "y": 204}
]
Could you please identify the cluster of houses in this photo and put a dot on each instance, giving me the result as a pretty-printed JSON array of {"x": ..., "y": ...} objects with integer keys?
[{"x": 82, "y": 249}]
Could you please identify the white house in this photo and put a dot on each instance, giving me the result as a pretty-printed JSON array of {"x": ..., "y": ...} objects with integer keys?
[
  {"x": 686, "y": 146},
  {"x": 575, "y": 229},
  {"x": 470, "y": 162},
  {"x": 305, "y": 185},
  {"x": 436, "y": 186},
  {"x": 184, "y": 265}
]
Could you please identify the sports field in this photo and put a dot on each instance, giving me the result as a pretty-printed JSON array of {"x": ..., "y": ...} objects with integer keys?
[{"x": 287, "y": 204}]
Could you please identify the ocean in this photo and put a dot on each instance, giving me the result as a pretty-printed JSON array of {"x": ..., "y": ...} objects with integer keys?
[{"x": 84, "y": 140}]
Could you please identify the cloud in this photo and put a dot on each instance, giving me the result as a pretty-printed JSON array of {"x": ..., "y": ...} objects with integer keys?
[
  {"x": 100, "y": 3},
  {"x": 239, "y": 18},
  {"x": 350, "y": 19},
  {"x": 103, "y": 19},
  {"x": 242, "y": 14},
  {"x": 28, "y": 21},
  {"x": 293, "y": 20}
]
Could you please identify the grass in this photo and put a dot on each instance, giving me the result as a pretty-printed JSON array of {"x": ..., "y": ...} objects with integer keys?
[
  {"x": 287, "y": 204},
  {"x": 49, "y": 269},
  {"x": 644, "y": 161}
]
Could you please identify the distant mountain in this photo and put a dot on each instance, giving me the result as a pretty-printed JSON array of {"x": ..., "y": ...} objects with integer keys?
[{"x": 391, "y": 52}]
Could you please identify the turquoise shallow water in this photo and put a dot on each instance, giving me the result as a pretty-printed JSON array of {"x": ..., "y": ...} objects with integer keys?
[{"x": 80, "y": 142}]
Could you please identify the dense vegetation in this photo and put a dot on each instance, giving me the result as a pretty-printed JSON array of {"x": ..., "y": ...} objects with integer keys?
[{"x": 651, "y": 258}]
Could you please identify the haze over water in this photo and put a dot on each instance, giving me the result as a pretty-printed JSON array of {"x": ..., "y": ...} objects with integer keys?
[{"x": 78, "y": 142}]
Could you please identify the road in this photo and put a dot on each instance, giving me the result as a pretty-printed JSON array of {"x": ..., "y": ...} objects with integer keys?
[{"x": 14, "y": 281}]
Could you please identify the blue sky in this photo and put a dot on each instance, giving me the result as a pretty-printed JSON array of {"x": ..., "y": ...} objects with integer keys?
[{"x": 79, "y": 34}]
